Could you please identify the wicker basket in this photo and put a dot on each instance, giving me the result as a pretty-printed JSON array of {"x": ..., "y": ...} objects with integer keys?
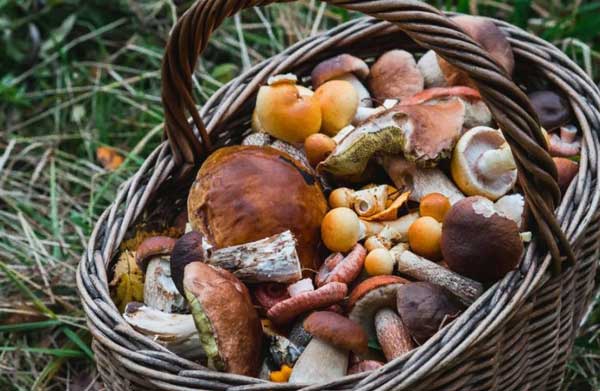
[{"x": 517, "y": 336}]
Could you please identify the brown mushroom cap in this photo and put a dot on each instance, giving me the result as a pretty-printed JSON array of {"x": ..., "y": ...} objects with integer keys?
[
  {"x": 478, "y": 242},
  {"x": 338, "y": 66},
  {"x": 395, "y": 76},
  {"x": 246, "y": 193},
  {"x": 567, "y": 169},
  {"x": 371, "y": 295},
  {"x": 224, "y": 314},
  {"x": 337, "y": 330}
]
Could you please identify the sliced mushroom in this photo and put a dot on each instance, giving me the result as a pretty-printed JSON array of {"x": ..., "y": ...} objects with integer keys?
[
  {"x": 395, "y": 76},
  {"x": 483, "y": 164}
]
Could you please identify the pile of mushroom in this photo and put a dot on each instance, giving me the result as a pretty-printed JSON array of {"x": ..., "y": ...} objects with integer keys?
[{"x": 373, "y": 202}]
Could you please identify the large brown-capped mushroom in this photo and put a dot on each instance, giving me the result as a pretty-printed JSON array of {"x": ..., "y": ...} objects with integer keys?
[
  {"x": 395, "y": 76},
  {"x": 246, "y": 193},
  {"x": 552, "y": 109},
  {"x": 423, "y": 133},
  {"x": 483, "y": 164},
  {"x": 478, "y": 242},
  {"x": 490, "y": 37},
  {"x": 344, "y": 67},
  {"x": 425, "y": 308},
  {"x": 284, "y": 113},
  {"x": 227, "y": 322},
  {"x": 393, "y": 336},
  {"x": 370, "y": 296}
]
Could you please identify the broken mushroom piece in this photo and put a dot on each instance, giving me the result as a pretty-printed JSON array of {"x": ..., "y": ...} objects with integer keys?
[
  {"x": 284, "y": 113},
  {"x": 285, "y": 311},
  {"x": 339, "y": 102},
  {"x": 552, "y": 109},
  {"x": 370, "y": 296},
  {"x": 344, "y": 67},
  {"x": 228, "y": 324},
  {"x": 366, "y": 202},
  {"x": 513, "y": 207},
  {"x": 395, "y": 76},
  {"x": 567, "y": 169},
  {"x": 425, "y": 308},
  {"x": 490, "y": 37},
  {"x": 393, "y": 336},
  {"x": 247, "y": 193},
  {"x": 565, "y": 145},
  {"x": 483, "y": 164},
  {"x": 342, "y": 269},
  {"x": 480, "y": 243},
  {"x": 422, "y": 133}
]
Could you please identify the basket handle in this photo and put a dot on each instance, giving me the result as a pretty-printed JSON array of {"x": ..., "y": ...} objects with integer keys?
[{"x": 429, "y": 28}]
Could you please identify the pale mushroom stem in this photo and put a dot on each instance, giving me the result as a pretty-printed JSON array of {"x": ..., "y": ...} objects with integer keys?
[
  {"x": 394, "y": 229},
  {"x": 496, "y": 162}
]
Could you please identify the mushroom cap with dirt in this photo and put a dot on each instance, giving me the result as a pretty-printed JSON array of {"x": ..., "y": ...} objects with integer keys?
[
  {"x": 479, "y": 242},
  {"x": 246, "y": 193}
]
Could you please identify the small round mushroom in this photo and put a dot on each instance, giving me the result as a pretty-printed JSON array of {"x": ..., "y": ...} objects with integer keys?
[
  {"x": 370, "y": 296},
  {"x": 284, "y": 113},
  {"x": 340, "y": 229},
  {"x": 317, "y": 147},
  {"x": 567, "y": 169},
  {"x": 337, "y": 330},
  {"x": 435, "y": 205},
  {"x": 342, "y": 269},
  {"x": 344, "y": 67},
  {"x": 395, "y": 76},
  {"x": 424, "y": 238},
  {"x": 424, "y": 308},
  {"x": 478, "y": 242},
  {"x": 339, "y": 102},
  {"x": 379, "y": 262},
  {"x": 483, "y": 164},
  {"x": 551, "y": 108}
]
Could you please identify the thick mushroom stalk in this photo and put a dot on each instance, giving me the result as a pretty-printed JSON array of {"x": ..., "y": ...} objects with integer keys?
[{"x": 495, "y": 162}]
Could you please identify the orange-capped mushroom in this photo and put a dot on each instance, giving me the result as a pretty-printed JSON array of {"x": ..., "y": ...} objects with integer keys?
[
  {"x": 339, "y": 102},
  {"x": 424, "y": 238},
  {"x": 435, "y": 205}
]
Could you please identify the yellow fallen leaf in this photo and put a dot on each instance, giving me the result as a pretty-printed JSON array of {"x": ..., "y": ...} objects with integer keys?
[{"x": 128, "y": 281}]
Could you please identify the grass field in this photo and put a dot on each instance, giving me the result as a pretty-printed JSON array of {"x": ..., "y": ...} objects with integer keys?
[{"x": 78, "y": 75}]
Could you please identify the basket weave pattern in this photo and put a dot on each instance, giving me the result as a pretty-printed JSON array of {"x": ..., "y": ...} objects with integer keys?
[{"x": 517, "y": 336}]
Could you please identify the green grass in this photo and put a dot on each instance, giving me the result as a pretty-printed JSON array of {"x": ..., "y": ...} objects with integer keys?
[{"x": 77, "y": 75}]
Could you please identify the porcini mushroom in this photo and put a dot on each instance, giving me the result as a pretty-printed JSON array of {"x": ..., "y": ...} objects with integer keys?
[
  {"x": 490, "y": 37},
  {"x": 551, "y": 108},
  {"x": 342, "y": 269},
  {"x": 565, "y": 145},
  {"x": 284, "y": 113},
  {"x": 483, "y": 164},
  {"x": 339, "y": 101},
  {"x": 370, "y": 296},
  {"x": 395, "y": 75},
  {"x": 478, "y": 242},
  {"x": 337, "y": 330},
  {"x": 424, "y": 308},
  {"x": 393, "y": 336},
  {"x": 247, "y": 193},
  {"x": 344, "y": 67}
]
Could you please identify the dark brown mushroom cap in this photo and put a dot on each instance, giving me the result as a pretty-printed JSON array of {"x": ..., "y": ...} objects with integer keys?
[
  {"x": 247, "y": 193},
  {"x": 478, "y": 242},
  {"x": 338, "y": 66},
  {"x": 225, "y": 303},
  {"x": 552, "y": 109},
  {"x": 395, "y": 76},
  {"x": 337, "y": 330},
  {"x": 187, "y": 249}
]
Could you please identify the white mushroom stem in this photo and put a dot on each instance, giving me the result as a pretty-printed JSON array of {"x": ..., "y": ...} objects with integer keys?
[
  {"x": 495, "y": 162},
  {"x": 304, "y": 285},
  {"x": 394, "y": 230},
  {"x": 273, "y": 259},
  {"x": 319, "y": 363},
  {"x": 363, "y": 94},
  {"x": 568, "y": 133},
  {"x": 365, "y": 112},
  {"x": 511, "y": 206},
  {"x": 419, "y": 181},
  {"x": 422, "y": 269},
  {"x": 159, "y": 289},
  {"x": 370, "y": 201}
]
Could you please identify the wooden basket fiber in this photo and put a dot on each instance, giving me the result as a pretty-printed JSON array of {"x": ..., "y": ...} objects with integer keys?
[{"x": 517, "y": 336}]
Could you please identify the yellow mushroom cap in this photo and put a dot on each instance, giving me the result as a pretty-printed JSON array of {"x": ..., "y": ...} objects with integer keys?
[
  {"x": 317, "y": 147},
  {"x": 340, "y": 229},
  {"x": 341, "y": 198},
  {"x": 378, "y": 262},
  {"x": 339, "y": 102},
  {"x": 424, "y": 238},
  {"x": 435, "y": 205}
]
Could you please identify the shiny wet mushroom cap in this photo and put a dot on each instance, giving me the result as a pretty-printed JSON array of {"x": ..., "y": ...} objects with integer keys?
[
  {"x": 337, "y": 330},
  {"x": 395, "y": 76}
]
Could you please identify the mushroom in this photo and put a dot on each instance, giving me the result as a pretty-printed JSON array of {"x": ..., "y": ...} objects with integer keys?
[
  {"x": 478, "y": 242},
  {"x": 366, "y": 202},
  {"x": 395, "y": 75},
  {"x": 247, "y": 193},
  {"x": 370, "y": 296},
  {"x": 551, "y": 108},
  {"x": 272, "y": 259},
  {"x": 430, "y": 69},
  {"x": 342, "y": 269},
  {"x": 393, "y": 336},
  {"x": 364, "y": 366},
  {"x": 342, "y": 229},
  {"x": 326, "y": 356},
  {"x": 285, "y": 311},
  {"x": 422, "y": 133},
  {"x": 513, "y": 207},
  {"x": 304, "y": 285},
  {"x": 435, "y": 205},
  {"x": 424, "y": 237},
  {"x": 379, "y": 262},
  {"x": 261, "y": 139},
  {"x": 419, "y": 181},
  {"x": 339, "y": 102},
  {"x": 567, "y": 169},
  {"x": 483, "y": 164},
  {"x": 423, "y": 269},
  {"x": 344, "y": 67},
  {"x": 152, "y": 247},
  {"x": 425, "y": 308},
  {"x": 565, "y": 145},
  {"x": 317, "y": 147},
  {"x": 228, "y": 325},
  {"x": 176, "y": 332},
  {"x": 490, "y": 37},
  {"x": 284, "y": 113},
  {"x": 363, "y": 113}
]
